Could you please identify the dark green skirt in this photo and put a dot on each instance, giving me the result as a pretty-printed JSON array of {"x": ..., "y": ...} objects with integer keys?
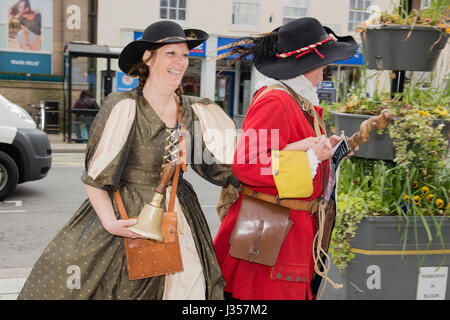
[{"x": 84, "y": 261}]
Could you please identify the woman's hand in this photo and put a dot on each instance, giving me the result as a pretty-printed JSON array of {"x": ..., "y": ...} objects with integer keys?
[
  {"x": 119, "y": 228},
  {"x": 101, "y": 202}
]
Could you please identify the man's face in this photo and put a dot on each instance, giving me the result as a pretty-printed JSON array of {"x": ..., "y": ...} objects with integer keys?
[{"x": 315, "y": 76}]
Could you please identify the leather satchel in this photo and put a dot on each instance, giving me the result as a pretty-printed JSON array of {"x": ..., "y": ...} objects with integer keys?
[
  {"x": 259, "y": 232},
  {"x": 148, "y": 258}
]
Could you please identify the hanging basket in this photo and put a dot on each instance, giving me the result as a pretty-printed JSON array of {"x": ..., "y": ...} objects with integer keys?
[{"x": 400, "y": 47}]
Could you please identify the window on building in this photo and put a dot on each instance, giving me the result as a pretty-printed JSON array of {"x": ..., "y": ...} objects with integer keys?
[
  {"x": 245, "y": 12},
  {"x": 294, "y": 9},
  {"x": 425, "y": 4},
  {"x": 358, "y": 13},
  {"x": 173, "y": 9}
]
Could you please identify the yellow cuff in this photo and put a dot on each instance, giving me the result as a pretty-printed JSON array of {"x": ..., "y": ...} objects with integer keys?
[{"x": 292, "y": 175}]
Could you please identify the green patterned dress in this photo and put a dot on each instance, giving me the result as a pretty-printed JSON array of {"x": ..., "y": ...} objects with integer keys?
[{"x": 85, "y": 250}]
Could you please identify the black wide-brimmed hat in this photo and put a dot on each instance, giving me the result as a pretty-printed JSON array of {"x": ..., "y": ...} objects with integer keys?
[
  {"x": 303, "y": 45},
  {"x": 161, "y": 32}
]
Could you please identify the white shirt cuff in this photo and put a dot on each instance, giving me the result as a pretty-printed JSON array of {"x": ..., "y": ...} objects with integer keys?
[{"x": 313, "y": 162}]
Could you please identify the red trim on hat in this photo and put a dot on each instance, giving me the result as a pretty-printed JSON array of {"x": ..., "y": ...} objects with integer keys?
[{"x": 307, "y": 49}]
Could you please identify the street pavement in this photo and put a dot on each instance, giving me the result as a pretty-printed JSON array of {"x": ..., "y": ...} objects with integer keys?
[{"x": 15, "y": 265}]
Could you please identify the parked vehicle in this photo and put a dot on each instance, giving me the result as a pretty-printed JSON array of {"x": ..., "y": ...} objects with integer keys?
[{"x": 25, "y": 152}]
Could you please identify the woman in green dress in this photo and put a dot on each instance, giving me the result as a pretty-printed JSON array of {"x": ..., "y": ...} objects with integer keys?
[{"x": 130, "y": 141}]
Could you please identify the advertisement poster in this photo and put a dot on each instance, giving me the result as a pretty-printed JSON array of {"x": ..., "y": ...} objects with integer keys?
[
  {"x": 27, "y": 27},
  {"x": 25, "y": 21}
]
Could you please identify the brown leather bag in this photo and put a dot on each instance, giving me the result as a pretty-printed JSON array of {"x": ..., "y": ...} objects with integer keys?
[
  {"x": 259, "y": 232},
  {"x": 149, "y": 258}
]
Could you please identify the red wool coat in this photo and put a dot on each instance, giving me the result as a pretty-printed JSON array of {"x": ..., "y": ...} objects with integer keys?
[{"x": 290, "y": 277}]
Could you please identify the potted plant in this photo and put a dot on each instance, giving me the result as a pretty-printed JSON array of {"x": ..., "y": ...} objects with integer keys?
[
  {"x": 392, "y": 229},
  {"x": 389, "y": 40},
  {"x": 392, "y": 223},
  {"x": 348, "y": 114}
]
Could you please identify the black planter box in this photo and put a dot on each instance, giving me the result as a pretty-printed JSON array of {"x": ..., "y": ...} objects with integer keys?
[
  {"x": 387, "y": 47},
  {"x": 383, "y": 268},
  {"x": 379, "y": 146}
]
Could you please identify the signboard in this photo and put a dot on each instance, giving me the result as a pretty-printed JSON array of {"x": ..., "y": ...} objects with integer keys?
[
  {"x": 326, "y": 95},
  {"x": 432, "y": 283},
  {"x": 223, "y": 42},
  {"x": 326, "y": 91},
  {"x": 357, "y": 59},
  {"x": 137, "y": 35},
  {"x": 124, "y": 82},
  {"x": 26, "y": 39},
  {"x": 25, "y": 62},
  {"x": 325, "y": 85},
  {"x": 199, "y": 51}
]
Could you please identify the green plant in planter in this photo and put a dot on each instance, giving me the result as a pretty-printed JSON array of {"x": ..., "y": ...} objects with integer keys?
[
  {"x": 417, "y": 96},
  {"x": 416, "y": 184},
  {"x": 435, "y": 15}
]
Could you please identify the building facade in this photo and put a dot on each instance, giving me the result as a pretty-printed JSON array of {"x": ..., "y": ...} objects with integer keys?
[
  {"x": 115, "y": 23},
  {"x": 32, "y": 60},
  {"x": 120, "y": 22}
]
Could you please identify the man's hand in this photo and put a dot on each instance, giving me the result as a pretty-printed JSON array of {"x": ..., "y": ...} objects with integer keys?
[{"x": 334, "y": 140}]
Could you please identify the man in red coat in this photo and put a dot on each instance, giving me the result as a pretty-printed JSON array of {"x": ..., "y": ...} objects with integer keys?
[{"x": 283, "y": 154}]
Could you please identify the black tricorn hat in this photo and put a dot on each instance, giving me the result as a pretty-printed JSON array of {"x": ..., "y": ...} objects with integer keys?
[
  {"x": 303, "y": 45},
  {"x": 161, "y": 32}
]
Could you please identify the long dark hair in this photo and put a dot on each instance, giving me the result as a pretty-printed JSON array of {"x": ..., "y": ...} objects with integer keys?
[{"x": 142, "y": 70}]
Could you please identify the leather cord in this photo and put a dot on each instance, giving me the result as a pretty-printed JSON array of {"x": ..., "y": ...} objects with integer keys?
[{"x": 181, "y": 158}]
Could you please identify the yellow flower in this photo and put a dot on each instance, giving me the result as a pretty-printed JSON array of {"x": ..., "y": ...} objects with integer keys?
[
  {"x": 417, "y": 199},
  {"x": 430, "y": 197},
  {"x": 425, "y": 113},
  {"x": 406, "y": 197},
  {"x": 439, "y": 203},
  {"x": 438, "y": 110},
  {"x": 425, "y": 190},
  {"x": 415, "y": 184},
  {"x": 352, "y": 103}
]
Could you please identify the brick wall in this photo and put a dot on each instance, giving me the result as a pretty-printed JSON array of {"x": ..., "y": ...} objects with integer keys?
[{"x": 32, "y": 92}]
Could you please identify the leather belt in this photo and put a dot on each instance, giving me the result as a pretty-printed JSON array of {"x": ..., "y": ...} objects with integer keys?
[{"x": 294, "y": 204}]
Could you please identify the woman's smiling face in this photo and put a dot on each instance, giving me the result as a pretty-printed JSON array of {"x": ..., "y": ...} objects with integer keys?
[{"x": 168, "y": 64}]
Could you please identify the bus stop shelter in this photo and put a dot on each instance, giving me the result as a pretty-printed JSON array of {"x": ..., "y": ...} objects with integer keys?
[{"x": 87, "y": 71}]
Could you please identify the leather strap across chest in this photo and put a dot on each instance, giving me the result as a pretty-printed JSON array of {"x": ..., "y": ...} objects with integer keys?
[
  {"x": 310, "y": 112},
  {"x": 293, "y": 204}
]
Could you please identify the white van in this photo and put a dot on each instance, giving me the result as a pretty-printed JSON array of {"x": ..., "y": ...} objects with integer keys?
[{"x": 25, "y": 152}]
